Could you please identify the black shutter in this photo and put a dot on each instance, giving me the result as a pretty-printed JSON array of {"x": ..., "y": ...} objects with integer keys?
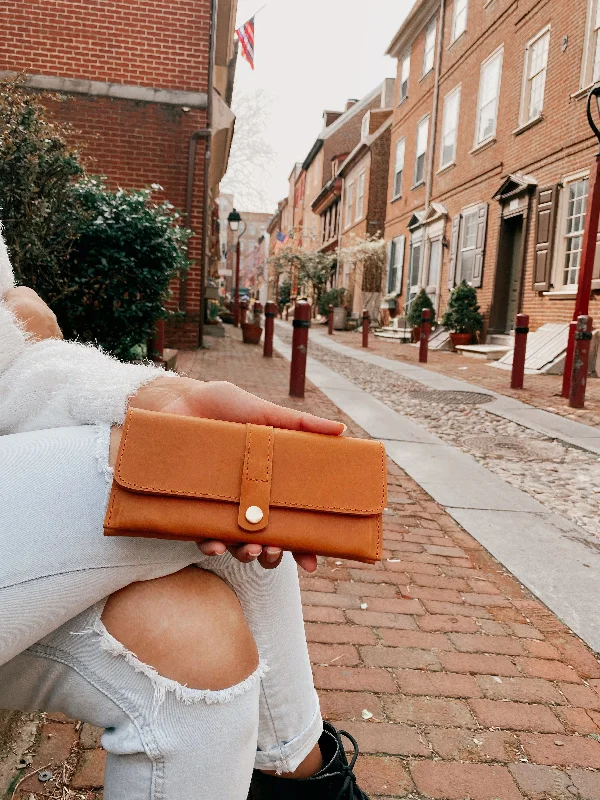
[
  {"x": 453, "y": 251},
  {"x": 482, "y": 214},
  {"x": 544, "y": 237}
]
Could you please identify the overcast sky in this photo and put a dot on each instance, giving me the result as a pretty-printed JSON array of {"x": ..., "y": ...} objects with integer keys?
[{"x": 311, "y": 55}]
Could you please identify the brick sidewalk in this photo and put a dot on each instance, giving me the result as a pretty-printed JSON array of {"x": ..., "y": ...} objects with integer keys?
[
  {"x": 475, "y": 689},
  {"x": 542, "y": 391}
]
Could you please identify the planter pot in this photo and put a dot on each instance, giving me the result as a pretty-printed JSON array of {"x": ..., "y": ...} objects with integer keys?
[
  {"x": 416, "y": 333},
  {"x": 460, "y": 339},
  {"x": 339, "y": 318},
  {"x": 251, "y": 333}
]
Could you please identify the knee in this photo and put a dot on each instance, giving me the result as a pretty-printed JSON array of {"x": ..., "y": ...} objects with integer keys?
[{"x": 188, "y": 626}]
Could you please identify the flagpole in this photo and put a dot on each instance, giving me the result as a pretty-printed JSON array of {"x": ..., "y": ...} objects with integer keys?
[{"x": 259, "y": 10}]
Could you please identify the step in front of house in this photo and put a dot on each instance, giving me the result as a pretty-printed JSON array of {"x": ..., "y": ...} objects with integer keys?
[
  {"x": 398, "y": 334},
  {"x": 168, "y": 360},
  {"x": 505, "y": 339},
  {"x": 484, "y": 352}
]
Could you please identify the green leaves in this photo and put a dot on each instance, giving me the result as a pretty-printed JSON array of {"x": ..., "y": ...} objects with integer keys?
[
  {"x": 421, "y": 301},
  {"x": 462, "y": 314}
]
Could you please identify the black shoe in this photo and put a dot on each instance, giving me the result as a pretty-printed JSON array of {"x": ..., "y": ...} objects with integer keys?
[{"x": 336, "y": 781}]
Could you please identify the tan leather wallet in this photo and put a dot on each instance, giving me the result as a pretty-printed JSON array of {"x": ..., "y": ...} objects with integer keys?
[{"x": 188, "y": 478}]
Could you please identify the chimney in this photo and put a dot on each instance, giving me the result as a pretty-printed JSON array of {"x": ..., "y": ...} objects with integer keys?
[
  {"x": 330, "y": 116},
  {"x": 351, "y": 102}
]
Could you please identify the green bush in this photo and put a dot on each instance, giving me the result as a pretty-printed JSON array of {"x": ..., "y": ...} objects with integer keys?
[
  {"x": 285, "y": 294},
  {"x": 421, "y": 301},
  {"x": 462, "y": 314},
  {"x": 334, "y": 297},
  {"x": 127, "y": 251}
]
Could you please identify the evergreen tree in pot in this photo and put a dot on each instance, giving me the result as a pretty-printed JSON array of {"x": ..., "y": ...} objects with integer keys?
[
  {"x": 462, "y": 317},
  {"x": 413, "y": 316}
]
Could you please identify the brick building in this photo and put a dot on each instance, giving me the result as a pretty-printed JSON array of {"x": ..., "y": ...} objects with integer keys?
[
  {"x": 252, "y": 249},
  {"x": 148, "y": 90},
  {"x": 490, "y": 154}
]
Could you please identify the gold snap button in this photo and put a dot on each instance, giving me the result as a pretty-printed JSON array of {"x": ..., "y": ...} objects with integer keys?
[{"x": 254, "y": 514}]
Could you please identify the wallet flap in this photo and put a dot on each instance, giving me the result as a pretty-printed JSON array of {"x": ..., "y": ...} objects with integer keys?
[{"x": 167, "y": 454}]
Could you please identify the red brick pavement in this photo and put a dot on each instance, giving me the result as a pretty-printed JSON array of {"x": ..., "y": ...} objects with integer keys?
[
  {"x": 542, "y": 391},
  {"x": 472, "y": 688}
]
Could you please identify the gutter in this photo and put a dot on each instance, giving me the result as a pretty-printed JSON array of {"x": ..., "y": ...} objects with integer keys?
[
  {"x": 206, "y": 134},
  {"x": 434, "y": 110}
]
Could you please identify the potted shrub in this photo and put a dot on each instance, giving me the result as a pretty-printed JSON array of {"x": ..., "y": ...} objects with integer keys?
[
  {"x": 462, "y": 317},
  {"x": 337, "y": 299},
  {"x": 251, "y": 328},
  {"x": 413, "y": 316}
]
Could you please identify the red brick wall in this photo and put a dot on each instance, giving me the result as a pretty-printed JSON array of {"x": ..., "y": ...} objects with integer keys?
[
  {"x": 558, "y": 145},
  {"x": 134, "y": 144}
]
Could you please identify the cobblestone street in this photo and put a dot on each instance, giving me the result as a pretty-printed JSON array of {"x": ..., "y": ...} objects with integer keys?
[{"x": 456, "y": 682}]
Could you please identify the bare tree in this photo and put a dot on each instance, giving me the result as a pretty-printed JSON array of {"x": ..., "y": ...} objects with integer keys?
[{"x": 251, "y": 158}]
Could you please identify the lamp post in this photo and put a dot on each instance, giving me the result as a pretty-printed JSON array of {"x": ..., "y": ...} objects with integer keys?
[
  {"x": 233, "y": 221},
  {"x": 588, "y": 252}
]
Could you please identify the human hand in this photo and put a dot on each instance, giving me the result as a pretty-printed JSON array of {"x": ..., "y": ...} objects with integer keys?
[
  {"x": 222, "y": 400},
  {"x": 33, "y": 313}
]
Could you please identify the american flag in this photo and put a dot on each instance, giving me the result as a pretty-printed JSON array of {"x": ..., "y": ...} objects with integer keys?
[
  {"x": 281, "y": 237},
  {"x": 245, "y": 36}
]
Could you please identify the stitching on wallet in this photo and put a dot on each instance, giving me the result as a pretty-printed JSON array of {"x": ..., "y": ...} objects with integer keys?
[{"x": 247, "y": 458}]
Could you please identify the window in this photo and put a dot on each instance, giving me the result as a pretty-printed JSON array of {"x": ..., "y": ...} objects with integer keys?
[
  {"x": 572, "y": 225},
  {"x": 536, "y": 60},
  {"x": 398, "y": 168},
  {"x": 428, "y": 55},
  {"x": 349, "y": 197},
  {"x": 435, "y": 262},
  {"x": 459, "y": 23},
  {"x": 468, "y": 244},
  {"x": 395, "y": 265},
  {"x": 404, "y": 75},
  {"x": 360, "y": 196},
  {"x": 489, "y": 92},
  {"x": 421, "y": 151},
  {"x": 414, "y": 266},
  {"x": 450, "y": 127},
  {"x": 590, "y": 72}
]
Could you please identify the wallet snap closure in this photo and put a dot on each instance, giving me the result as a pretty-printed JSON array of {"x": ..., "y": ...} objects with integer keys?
[{"x": 255, "y": 492}]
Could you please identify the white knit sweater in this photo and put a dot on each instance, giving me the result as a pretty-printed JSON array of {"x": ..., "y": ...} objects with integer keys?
[{"x": 54, "y": 383}]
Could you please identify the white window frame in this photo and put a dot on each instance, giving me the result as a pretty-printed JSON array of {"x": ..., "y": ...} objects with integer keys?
[
  {"x": 498, "y": 54},
  {"x": 360, "y": 196},
  {"x": 429, "y": 46},
  {"x": 561, "y": 236},
  {"x": 417, "y": 239},
  {"x": 472, "y": 211},
  {"x": 400, "y": 145},
  {"x": 395, "y": 259},
  {"x": 422, "y": 121},
  {"x": 461, "y": 7},
  {"x": 591, "y": 50},
  {"x": 456, "y": 92},
  {"x": 525, "y": 114},
  {"x": 404, "y": 77},
  {"x": 433, "y": 287},
  {"x": 349, "y": 200}
]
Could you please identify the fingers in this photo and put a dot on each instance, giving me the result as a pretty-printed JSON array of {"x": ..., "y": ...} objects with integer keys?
[
  {"x": 307, "y": 562},
  {"x": 270, "y": 557},
  {"x": 245, "y": 552},
  {"x": 211, "y": 547}
]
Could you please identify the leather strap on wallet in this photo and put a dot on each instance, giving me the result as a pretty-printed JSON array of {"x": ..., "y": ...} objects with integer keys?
[{"x": 188, "y": 478}]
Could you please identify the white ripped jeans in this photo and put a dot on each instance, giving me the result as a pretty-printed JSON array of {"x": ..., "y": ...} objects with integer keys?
[{"x": 164, "y": 741}]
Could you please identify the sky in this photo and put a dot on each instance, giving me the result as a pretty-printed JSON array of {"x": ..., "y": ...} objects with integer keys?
[{"x": 310, "y": 55}]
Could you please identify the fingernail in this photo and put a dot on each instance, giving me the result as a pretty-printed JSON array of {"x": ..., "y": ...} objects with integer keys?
[
  {"x": 273, "y": 554},
  {"x": 345, "y": 427},
  {"x": 254, "y": 553}
]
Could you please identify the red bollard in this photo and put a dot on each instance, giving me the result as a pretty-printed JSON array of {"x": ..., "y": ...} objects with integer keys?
[
  {"x": 365, "y": 328},
  {"x": 424, "y": 335},
  {"x": 330, "y": 321},
  {"x": 568, "y": 368},
  {"x": 581, "y": 357},
  {"x": 243, "y": 311},
  {"x": 258, "y": 309},
  {"x": 270, "y": 312},
  {"x": 518, "y": 365},
  {"x": 299, "y": 348}
]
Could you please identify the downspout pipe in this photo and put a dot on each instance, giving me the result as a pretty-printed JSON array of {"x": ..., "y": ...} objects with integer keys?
[
  {"x": 206, "y": 135},
  {"x": 434, "y": 110}
]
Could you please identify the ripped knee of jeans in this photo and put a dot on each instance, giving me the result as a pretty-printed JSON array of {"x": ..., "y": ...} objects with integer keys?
[{"x": 162, "y": 686}]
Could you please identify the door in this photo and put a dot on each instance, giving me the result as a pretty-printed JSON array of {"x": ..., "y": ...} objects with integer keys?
[{"x": 509, "y": 269}]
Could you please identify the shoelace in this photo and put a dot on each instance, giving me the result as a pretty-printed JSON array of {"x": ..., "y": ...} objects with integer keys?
[{"x": 349, "y": 789}]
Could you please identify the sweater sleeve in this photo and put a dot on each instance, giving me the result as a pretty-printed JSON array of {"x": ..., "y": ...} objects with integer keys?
[{"x": 53, "y": 383}]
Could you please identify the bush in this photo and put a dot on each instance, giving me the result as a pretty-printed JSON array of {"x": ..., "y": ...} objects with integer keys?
[
  {"x": 421, "y": 301},
  {"x": 285, "y": 294},
  {"x": 38, "y": 206},
  {"x": 127, "y": 251},
  {"x": 334, "y": 297},
  {"x": 462, "y": 314}
]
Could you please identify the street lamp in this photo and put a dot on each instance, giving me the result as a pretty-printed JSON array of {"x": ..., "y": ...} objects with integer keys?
[{"x": 233, "y": 221}]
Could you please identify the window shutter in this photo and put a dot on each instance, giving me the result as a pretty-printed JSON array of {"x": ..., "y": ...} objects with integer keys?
[
  {"x": 544, "y": 237},
  {"x": 390, "y": 266},
  {"x": 453, "y": 251},
  {"x": 400, "y": 247},
  {"x": 482, "y": 215},
  {"x": 596, "y": 271}
]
